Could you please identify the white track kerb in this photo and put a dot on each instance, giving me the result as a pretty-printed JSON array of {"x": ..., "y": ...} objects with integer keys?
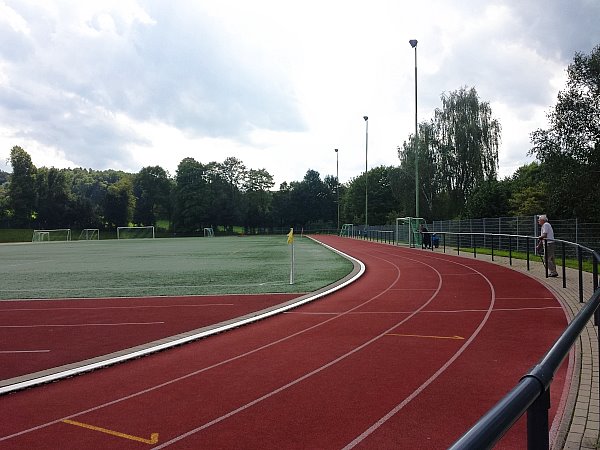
[{"x": 356, "y": 274}]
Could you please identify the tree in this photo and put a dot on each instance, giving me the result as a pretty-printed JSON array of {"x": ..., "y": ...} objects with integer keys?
[
  {"x": 311, "y": 200},
  {"x": 191, "y": 196},
  {"x": 119, "y": 202},
  {"x": 21, "y": 190},
  {"x": 457, "y": 152},
  {"x": 152, "y": 189},
  {"x": 282, "y": 210},
  {"x": 53, "y": 199},
  {"x": 467, "y": 143},
  {"x": 569, "y": 149},
  {"x": 232, "y": 173},
  {"x": 4, "y": 176},
  {"x": 490, "y": 199},
  {"x": 258, "y": 197},
  {"x": 527, "y": 190}
]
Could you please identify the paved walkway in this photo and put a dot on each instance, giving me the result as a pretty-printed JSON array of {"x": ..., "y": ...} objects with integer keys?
[{"x": 580, "y": 427}]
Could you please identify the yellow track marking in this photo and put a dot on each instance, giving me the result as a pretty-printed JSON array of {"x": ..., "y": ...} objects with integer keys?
[
  {"x": 430, "y": 337},
  {"x": 153, "y": 437}
]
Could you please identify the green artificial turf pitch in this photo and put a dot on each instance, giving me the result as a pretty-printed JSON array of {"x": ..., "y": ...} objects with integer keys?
[{"x": 165, "y": 267}]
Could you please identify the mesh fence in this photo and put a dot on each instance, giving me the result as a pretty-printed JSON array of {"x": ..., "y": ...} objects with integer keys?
[{"x": 571, "y": 230}]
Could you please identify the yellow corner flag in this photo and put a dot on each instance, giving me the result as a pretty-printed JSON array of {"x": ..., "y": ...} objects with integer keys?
[{"x": 290, "y": 236}]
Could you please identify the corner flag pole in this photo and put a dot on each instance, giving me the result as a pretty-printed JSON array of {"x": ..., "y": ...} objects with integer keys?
[{"x": 290, "y": 240}]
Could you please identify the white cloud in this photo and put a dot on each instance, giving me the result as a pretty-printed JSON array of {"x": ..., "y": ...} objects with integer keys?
[{"x": 124, "y": 84}]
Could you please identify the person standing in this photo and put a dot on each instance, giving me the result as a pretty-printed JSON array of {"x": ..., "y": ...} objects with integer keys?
[{"x": 547, "y": 234}]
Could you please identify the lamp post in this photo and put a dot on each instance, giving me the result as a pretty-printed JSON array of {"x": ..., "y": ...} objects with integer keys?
[
  {"x": 366, "y": 168},
  {"x": 413, "y": 44},
  {"x": 337, "y": 186}
]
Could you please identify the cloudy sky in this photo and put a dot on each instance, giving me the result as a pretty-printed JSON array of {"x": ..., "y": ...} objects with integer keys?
[{"x": 278, "y": 84}]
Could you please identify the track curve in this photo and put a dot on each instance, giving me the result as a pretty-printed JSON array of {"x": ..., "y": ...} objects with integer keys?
[{"x": 407, "y": 357}]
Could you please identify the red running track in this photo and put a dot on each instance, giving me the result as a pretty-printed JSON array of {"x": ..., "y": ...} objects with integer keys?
[
  {"x": 42, "y": 334},
  {"x": 407, "y": 357}
]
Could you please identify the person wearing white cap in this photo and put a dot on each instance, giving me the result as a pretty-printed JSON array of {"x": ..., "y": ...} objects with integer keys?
[{"x": 547, "y": 233}]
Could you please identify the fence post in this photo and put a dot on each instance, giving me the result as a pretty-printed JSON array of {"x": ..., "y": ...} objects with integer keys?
[
  {"x": 564, "y": 267},
  {"x": 527, "y": 244},
  {"x": 509, "y": 250},
  {"x": 580, "y": 270},
  {"x": 594, "y": 271},
  {"x": 537, "y": 423},
  {"x": 546, "y": 257},
  {"x": 492, "y": 236}
]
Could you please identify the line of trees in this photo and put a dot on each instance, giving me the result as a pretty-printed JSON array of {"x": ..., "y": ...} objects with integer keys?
[{"x": 457, "y": 152}]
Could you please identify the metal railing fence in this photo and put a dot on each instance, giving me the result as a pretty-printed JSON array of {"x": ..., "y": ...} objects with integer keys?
[{"x": 570, "y": 230}]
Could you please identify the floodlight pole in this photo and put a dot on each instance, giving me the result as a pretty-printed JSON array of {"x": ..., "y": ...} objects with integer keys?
[
  {"x": 366, "y": 170},
  {"x": 413, "y": 44},
  {"x": 337, "y": 187}
]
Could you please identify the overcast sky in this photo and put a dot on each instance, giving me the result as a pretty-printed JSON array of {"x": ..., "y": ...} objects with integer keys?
[{"x": 278, "y": 84}]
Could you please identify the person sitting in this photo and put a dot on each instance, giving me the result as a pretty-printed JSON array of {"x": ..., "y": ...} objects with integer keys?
[{"x": 425, "y": 237}]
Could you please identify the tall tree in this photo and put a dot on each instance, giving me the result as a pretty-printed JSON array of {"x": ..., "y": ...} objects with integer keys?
[
  {"x": 53, "y": 199},
  {"x": 191, "y": 196},
  {"x": 258, "y": 198},
  {"x": 569, "y": 149},
  {"x": 152, "y": 189},
  {"x": 21, "y": 190},
  {"x": 312, "y": 200},
  {"x": 467, "y": 142},
  {"x": 233, "y": 173},
  {"x": 457, "y": 152},
  {"x": 119, "y": 202}
]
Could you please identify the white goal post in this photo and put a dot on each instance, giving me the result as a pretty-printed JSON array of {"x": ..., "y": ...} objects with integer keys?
[
  {"x": 407, "y": 230},
  {"x": 209, "y": 232},
  {"x": 135, "y": 232},
  {"x": 59, "y": 234},
  {"x": 347, "y": 230},
  {"x": 89, "y": 234}
]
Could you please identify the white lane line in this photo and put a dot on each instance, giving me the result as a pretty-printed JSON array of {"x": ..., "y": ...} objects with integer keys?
[
  {"x": 81, "y": 325},
  {"x": 133, "y": 288},
  {"x": 18, "y": 386},
  {"x": 95, "y": 308},
  {"x": 23, "y": 351},
  {"x": 441, "y": 311},
  {"x": 439, "y": 372}
]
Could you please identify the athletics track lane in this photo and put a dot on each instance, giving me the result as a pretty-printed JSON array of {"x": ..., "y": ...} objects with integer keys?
[
  {"x": 400, "y": 359},
  {"x": 43, "y": 334}
]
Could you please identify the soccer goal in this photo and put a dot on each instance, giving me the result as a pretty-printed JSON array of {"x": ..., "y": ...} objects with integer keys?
[
  {"x": 60, "y": 234},
  {"x": 407, "y": 230},
  {"x": 209, "y": 232},
  {"x": 135, "y": 232},
  {"x": 347, "y": 230},
  {"x": 89, "y": 234}
]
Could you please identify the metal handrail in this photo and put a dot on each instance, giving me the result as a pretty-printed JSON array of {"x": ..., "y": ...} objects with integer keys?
[
  {"x": 531, "y": 394},
  {"x": 579, "y": 249}
]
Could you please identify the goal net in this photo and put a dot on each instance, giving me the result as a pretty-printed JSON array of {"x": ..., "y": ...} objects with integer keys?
[
  {"x": 347, "y": 230},
  {"x": 407, "y": 230},
  {"x": 209, "y": 232},
  {"x": 90, "y": 234},
  {"x": 135, "y": 232},
  {"x": 61, "y": 234}
]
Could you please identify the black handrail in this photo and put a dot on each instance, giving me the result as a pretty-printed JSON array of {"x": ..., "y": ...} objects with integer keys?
[
  {"x": 532, "y": 393},
  {"x": 579, "y": 249},
  {"x": 533, "y": 388}
]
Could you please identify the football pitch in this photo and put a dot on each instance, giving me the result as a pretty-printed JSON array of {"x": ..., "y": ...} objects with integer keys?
[{"x": 165, "y": 267}]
